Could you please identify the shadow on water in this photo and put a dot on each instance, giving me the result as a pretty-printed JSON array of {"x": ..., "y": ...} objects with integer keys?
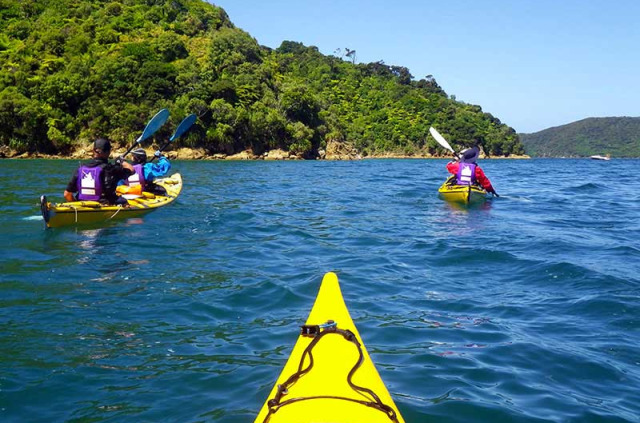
[{"x": 482, "y": 205}]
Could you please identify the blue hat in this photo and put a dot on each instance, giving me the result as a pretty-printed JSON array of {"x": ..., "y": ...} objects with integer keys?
[{"x": 470, "y": 155}]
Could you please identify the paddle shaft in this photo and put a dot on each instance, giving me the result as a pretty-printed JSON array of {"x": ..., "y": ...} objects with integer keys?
[
  {"x": 154, "y": 124},
  {"x": 160, "y": 150}
]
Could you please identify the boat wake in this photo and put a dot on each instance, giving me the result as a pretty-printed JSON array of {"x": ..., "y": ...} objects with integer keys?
[{"x": 35, "y": 217}]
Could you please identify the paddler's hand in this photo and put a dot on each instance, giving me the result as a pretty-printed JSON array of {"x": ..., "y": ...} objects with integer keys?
[{"x": 493, "y": 191}]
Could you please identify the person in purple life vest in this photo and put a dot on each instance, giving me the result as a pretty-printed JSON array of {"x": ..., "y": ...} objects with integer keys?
[
  {"x": 146, "y": 172},
  {"x": 97, "y": 180},
  {"x": 468, "y": 172}
]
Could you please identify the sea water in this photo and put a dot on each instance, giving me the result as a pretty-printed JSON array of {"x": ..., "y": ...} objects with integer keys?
[{"x": 525, "y": 309}]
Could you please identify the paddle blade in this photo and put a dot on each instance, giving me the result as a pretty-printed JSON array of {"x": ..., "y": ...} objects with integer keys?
[
  {"x": 184, "y": 126},
  {"x": 436, "y": 135},
  {"x": 154, "y": 124}
]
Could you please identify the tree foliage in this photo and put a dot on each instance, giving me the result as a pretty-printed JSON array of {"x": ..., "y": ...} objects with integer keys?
[{"x": 72, "y": 70}]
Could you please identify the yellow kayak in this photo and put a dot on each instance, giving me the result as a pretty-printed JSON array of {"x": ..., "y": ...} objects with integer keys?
[
  {"x": 83, "y": 212},
  {"x": 329, "y": 376},
  {"x": 465, "y": 194}
]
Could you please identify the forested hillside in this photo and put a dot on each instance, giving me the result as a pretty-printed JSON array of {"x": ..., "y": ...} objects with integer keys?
[
  {"x": 617, "y": 136},
  {"x": 73, "y": 70}
]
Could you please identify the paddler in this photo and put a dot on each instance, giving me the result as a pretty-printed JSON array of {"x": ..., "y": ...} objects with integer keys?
[
  {"x": 97, "y": 180},
  {"x": 145, "y": 172},
  {"x": 467, "y": 170}
]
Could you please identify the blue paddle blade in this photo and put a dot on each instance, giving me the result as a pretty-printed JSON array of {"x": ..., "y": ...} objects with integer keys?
[
  {"x": 183, "y": 127},
  {"x": 154, "y": 124}
]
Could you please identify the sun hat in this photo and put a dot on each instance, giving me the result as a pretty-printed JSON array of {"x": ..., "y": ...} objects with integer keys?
[{"x": 469, "y": 155}]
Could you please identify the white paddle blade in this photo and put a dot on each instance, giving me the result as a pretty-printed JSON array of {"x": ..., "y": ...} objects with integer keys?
[{"x": 436, "y": 135}]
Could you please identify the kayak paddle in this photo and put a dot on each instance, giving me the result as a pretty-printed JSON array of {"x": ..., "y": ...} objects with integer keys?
[
  {"x": 154, "y": 124},
  {"x": 180, "y": 130},
  {"x": 436, "y": 135}
]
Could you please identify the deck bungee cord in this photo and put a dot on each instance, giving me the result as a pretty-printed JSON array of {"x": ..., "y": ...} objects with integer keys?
[{"x": 318, "y": 332}]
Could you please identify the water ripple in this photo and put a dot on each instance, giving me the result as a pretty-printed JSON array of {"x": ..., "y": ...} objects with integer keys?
[{"x": 522, "y": 310}]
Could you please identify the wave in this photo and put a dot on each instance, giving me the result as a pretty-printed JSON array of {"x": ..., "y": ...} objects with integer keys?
[
  {"x": 585, "y": 188},
  {"x": 32, "y": 218}
]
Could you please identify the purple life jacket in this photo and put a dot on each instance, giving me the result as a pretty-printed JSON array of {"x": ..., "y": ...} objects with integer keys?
[
  {"x": 466, "y": 174},
  {"x": 89, "y": 183},
  {"x": 137, "y": 178}
]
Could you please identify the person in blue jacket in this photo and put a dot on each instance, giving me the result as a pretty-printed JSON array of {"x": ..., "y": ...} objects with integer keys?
[{"x": 145, "y": 172}]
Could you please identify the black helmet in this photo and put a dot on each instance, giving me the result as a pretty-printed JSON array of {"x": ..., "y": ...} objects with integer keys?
[
  {"x": 139, "y": 156},
  {"x": 102, "y": 144}
]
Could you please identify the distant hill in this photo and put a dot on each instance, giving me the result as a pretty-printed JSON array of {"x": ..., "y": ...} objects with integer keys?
[{"x": 617, "y": 136}]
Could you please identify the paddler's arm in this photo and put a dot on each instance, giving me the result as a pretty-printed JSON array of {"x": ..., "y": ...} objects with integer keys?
[
  {"x": 484, "y": 181},
  {"x": 452, "y": 167},
  {"x": 128, "y": 166},
  {"x": 156, "y": 170},
  {"x": 120, "y": 161},
  {"x": 71, "y": 187}
]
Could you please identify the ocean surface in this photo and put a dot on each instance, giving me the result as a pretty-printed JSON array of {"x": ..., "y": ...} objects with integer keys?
[{"x": 526, "y": 309}]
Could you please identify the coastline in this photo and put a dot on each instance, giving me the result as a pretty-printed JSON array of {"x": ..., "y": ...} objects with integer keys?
[{"x": 272, "y": 155}]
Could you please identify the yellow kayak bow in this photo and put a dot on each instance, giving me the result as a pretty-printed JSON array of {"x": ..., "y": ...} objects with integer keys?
[{"x": 329, "y": 376}]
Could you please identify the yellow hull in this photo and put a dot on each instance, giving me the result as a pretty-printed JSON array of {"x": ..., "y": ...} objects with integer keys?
[
  {"x": 465, "y": 194},
  {"x": 86, "y": 212},
  {"x": 323, "y": 394}
]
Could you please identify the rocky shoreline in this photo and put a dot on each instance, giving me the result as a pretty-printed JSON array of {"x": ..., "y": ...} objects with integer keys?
[{"x": 201, "y": 154}]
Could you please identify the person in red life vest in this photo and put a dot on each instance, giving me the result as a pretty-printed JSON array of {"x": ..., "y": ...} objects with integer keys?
[
  {"x": 97, "y": 180},
  {"x": 468, "y": 172}
]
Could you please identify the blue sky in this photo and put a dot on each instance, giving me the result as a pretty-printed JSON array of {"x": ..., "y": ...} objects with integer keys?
[{"x": 533, "y": 64}]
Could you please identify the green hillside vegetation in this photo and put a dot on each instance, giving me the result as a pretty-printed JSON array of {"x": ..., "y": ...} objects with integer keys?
[
  {"x": 73, "y": 70},
  {"x": 617, "y": 136}
]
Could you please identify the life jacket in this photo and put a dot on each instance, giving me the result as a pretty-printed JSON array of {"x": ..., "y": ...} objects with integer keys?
[
  {"x": 137, "y": 179},
  {"x": 466, "y": 174},
  {"x": 90, "y": 183}
]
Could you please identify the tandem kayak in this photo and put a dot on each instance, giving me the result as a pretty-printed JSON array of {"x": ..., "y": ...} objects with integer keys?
[
  {"x": 329, "y": 376},
  {"x": 83, "y": 212},
  {"x": 465, "y": 194}
]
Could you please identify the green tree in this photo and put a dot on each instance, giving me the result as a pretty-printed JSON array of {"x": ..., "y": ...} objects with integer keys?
[{"x": 75, "y": 69}]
